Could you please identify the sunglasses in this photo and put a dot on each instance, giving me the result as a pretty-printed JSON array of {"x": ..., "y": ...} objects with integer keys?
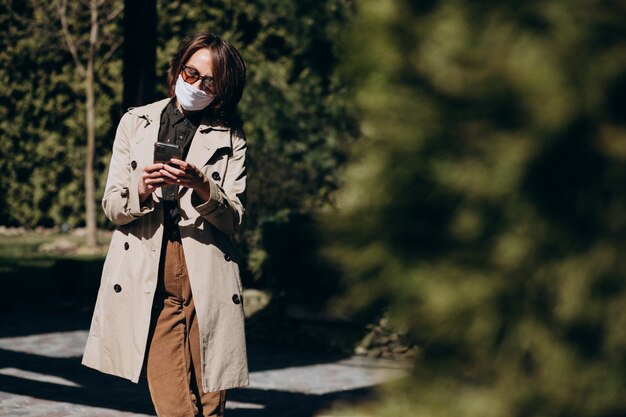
[{"x": 191, "y": 75}]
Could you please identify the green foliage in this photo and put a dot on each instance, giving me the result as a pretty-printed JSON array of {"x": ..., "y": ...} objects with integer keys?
[
  {"x": 296, "y": 112},
  {"x": 486, "y": 204},
  {"x": 295, "y": 109},
  {"x": 43, "y": 117}
]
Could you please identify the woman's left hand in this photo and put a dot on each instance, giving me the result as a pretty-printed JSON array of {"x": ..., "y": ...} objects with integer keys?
[{"x": 186, "y": 175}]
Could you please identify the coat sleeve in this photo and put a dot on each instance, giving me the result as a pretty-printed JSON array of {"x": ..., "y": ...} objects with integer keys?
[
  {"x": 225, "y": 207},
  {"x": 121, "y": 194}
]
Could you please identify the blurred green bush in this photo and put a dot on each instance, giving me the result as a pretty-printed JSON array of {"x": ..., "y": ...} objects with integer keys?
[{"x": 486, "y": 203}]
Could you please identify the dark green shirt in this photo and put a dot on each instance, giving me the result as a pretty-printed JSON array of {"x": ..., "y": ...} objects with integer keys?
[{"x": 177, "y": 129}]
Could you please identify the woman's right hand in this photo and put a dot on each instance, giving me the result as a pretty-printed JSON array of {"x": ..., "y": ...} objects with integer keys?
[{"x": 151, "y": 179}]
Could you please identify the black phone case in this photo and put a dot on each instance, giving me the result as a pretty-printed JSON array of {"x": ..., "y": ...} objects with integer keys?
[{"x": 164, "y": 151}]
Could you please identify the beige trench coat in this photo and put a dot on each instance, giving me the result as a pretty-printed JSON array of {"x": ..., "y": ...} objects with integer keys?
[{"x": 119, "y": 328}]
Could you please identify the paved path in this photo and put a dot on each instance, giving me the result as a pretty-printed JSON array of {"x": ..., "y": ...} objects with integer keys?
[{"x": 41, "y": 376}]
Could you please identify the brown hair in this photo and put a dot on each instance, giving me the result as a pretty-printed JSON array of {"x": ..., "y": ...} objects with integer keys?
[{"x": 229, "y": 71}]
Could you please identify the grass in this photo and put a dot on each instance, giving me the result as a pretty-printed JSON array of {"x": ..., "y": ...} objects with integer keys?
[
  {"x": 48, "y": 244},
  {"x": 47, "y": 268}
]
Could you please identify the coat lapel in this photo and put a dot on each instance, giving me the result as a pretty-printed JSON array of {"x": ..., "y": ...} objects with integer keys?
[
  {"x": 147, "y": 134},
  {"x": 208, "y": 139}
]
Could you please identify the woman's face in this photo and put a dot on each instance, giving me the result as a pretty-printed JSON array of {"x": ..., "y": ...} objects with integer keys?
[{"x": 200, "y": 61}]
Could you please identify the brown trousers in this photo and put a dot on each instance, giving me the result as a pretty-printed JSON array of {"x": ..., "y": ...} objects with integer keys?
[{"x": 172, "y": 362}]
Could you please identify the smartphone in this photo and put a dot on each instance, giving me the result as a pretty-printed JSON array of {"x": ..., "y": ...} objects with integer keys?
[{"x": 163, "y": 152}]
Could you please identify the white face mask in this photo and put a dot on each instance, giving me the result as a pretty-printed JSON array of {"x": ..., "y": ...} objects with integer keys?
[{"x": 191, "y": 98}]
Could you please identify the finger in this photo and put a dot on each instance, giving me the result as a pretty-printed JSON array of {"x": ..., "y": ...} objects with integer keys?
[
  {"x": 153, "y": 179},
  {"x": 193, "y": 172},
  {"x": 190, "y": 168},
  {"x": 178, "y": 164},
  {"x": 182, "y": 164},
  {"x": 153, "y": 182},
  {"x": 187, "y": 176},
  {"x": 155, "y": 174},
  {"x": 176, "y": 178},
  {"x": 153, "y": 167},
  {"x": 172, "y": 181},
  {"x": 186, "y": 182},
  {"x": 166, "y": 175},
  {"x": 175, "y": 171}
]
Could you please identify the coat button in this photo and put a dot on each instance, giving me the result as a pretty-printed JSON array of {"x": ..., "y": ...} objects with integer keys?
[
  {"x": 236, "y": 299},
  {"x": 126, "y": 246},
  {"x": 227, "y": 257},
  {"x": 117, "y": 287},
  {"x": 133, "y": 164},
  {"x": 215, "y": 175},
  {"x": 221, "y": 206}
]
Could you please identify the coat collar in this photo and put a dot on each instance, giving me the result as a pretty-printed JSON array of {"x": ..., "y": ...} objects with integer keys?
[
  {"x": 209, "y": 137},
  {"x": 151, "y": 113}
]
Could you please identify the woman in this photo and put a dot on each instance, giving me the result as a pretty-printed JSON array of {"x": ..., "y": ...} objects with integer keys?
[{"x": 170, "y": 304}]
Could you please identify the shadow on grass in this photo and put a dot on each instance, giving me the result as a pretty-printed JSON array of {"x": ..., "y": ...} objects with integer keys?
[{"x": 43, "y": 283}]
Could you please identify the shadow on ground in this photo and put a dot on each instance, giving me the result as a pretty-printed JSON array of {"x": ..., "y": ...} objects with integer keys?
[{"x": 54, "y": 298}]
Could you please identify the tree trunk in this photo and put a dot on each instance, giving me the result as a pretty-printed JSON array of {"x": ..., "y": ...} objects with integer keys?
[
  {"x": 90, "y": 195},
  {"x": 91, "y": 145},
  {"x": 140, "y": 22}
]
